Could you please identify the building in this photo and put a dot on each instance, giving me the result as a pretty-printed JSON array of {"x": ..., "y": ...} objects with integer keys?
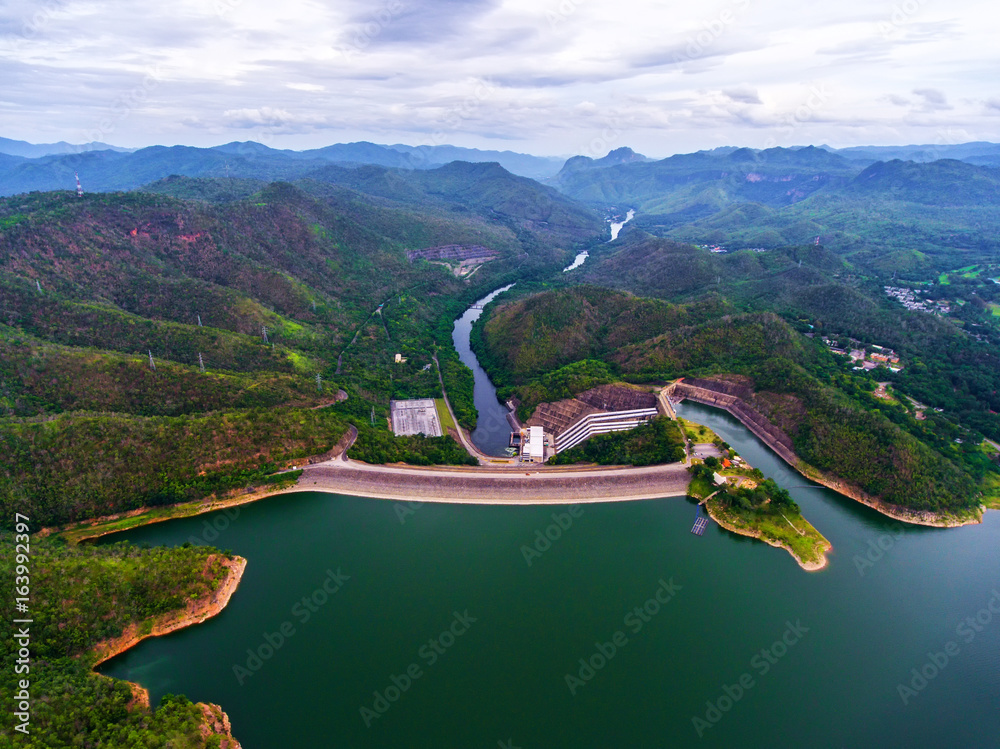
[
  {"x": 607, "y": 408},
  {"x": 533, "y": 445}
]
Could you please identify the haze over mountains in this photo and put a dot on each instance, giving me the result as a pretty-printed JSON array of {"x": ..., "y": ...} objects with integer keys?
[
  {"x": 906, "y": 209},
  {"x": 25, "y": 166}
]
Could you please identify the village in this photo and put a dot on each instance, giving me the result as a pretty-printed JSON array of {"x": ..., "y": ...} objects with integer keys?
[
  {"x": 908, "y": 298},
  {"x": 865, "y": 356}
]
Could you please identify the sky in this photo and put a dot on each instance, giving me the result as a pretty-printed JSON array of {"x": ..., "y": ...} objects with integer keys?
[{"x": 549, "y": 77}]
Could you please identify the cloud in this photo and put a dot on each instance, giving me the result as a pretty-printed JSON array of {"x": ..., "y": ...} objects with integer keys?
[
  {"x": 310, "y": 73},
  {"x": 743, "y": 95},
  {"x": 934, "y": 100}
]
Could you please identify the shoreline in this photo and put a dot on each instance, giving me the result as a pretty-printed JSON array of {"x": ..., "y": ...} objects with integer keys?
[
  {"x": 727, "y": 403},
  {"x": 195, "y": 612},
  {"x": 216, "y": 721},
  {"x": 807, "y": 566},
  {"x": 490, "y": 486}
]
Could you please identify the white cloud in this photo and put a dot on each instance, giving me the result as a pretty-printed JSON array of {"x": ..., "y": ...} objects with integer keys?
[{"x": 673, "y": 77}]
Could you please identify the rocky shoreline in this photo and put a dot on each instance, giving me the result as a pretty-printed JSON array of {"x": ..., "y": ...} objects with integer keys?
[
  {"x": 781, "y": 445},
  {"x": 215, "y": 719}
]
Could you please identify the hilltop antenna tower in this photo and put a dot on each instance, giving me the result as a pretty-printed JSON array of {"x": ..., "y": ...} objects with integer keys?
[{"x": 79, "y": 187}]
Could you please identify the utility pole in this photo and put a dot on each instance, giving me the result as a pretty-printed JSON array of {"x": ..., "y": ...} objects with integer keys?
[
  {"x": 201, "y": 363},
  {"x": 152, "y": 365}
]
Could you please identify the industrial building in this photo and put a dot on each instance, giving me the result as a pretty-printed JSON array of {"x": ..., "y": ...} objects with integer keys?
[
  {"x": 413, "y": 417},
  {"x": 566, "y": 423}
]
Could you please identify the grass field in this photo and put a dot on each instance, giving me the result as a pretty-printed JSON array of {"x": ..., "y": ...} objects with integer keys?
[{"x": 443, "y": 414}]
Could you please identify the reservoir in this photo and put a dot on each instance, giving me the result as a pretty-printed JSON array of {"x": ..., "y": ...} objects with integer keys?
[{"x": 763, "y": 653}]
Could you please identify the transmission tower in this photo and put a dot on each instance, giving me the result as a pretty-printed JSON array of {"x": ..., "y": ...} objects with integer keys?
[
  {"x": 79, "y": 187},
  {"x": 319, "y": 383},
  {"x": 373, "y": 415},
  {"x": 199, "y": 321},
  {"x": 201, "y": 363},
  {"x": 38, "y": 285},
  {"x": 263, "y": 332},
  {"x": 152, "y": 364}
]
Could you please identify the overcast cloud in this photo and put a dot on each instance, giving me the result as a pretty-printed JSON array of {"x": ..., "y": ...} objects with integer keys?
[{"x": 544, "y": 76}]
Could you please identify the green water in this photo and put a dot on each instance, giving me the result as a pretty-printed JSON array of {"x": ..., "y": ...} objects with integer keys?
[{"x": 503, "y": 678}]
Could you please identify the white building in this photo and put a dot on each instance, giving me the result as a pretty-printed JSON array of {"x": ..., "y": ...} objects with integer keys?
[{"x": 534, "y": 448}]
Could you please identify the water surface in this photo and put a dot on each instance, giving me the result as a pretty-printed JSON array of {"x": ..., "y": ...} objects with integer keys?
[
  {"x": 504, "y": 677},
  {"x": 492, "y": 432}
]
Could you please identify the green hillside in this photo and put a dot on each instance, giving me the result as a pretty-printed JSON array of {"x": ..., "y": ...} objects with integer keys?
[
  {"x": 828, "y": 412},
  {"x": 243, "y": 303},
  {"x": 80, "y": 596}
]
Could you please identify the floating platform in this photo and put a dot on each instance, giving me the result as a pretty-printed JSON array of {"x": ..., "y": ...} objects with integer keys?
[{"x": 700, "y": 523}]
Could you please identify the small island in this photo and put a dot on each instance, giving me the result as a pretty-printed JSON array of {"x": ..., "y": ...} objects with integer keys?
[{"x": 741, "y": 500}]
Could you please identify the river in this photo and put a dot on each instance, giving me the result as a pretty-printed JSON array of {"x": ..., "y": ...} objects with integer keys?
[
  {"x": 616, "y": 228},
  {"x": 492, "y": 432},
  {"x": 891, "y": 599}
]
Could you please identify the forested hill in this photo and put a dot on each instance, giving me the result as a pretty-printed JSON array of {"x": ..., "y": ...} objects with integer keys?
[
  {"x": 567, "y": 341},
  {"x": 953, "y": 362},
  {"x": 255, "y": 311},
  {"x": 894, "y": 216}
]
